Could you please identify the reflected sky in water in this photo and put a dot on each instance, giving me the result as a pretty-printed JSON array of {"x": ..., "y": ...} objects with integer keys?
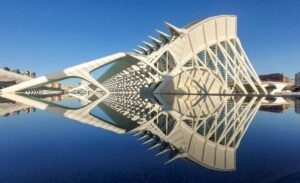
[{"x": 166, "y": 138}]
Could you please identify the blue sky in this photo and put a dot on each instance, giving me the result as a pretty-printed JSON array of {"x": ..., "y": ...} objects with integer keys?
[{"x": 45, "y": 36}]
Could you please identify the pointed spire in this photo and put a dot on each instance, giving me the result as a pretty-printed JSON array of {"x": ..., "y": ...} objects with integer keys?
[
  {"x": 137, "y": 51},
  {"x": 173, "y": 158},
  {"x": 175, "y": 154},
  {"x": 162, "y": 151},
  {"x": 164, "y": 148},
  {"x": 174, "y": 30},
  {"x": 138, "y": 133},
  {"x": 154, "y": 145},
  {"x": 156, "y": 42},
  {"x": 165, "y": 38},
  {"x": 143, "y": 137},
  {"x": 149, "y": 46},
  {"x": 144, "y": 50},
  {"x": 147, "y": 141}
]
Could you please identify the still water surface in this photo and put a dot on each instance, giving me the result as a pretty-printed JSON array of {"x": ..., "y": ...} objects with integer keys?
[{"x": 128, "y": 138}]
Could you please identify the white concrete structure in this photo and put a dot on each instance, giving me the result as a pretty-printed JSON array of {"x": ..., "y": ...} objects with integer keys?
[
  {"x": 80, "y": 71},
  {"x": 276, "y": 87},
  {"x": 204, "y": 57}
]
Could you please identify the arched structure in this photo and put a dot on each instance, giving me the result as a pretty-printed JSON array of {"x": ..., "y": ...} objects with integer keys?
[
  {"x": 276, "y": 87},
  {"x": 204, "y": 57},
  {"x": 204, "y": 129}
]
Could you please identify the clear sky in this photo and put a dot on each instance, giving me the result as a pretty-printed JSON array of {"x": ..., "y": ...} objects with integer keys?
[{"x": 49, "y": 35}]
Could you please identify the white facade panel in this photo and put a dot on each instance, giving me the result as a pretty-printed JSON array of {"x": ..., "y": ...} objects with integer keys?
[
  {"x": 210, "y": 31},
  {"x": 231, "y": 27},
  {"x": 221, "y": 28}
]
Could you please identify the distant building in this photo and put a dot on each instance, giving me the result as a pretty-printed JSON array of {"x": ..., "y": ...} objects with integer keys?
[
  {"x": 292, "y": 80},
  {"x": 276, "y": 77},
  {"x": 54, "y": 85},
  {"x": 9, "y": 77},
  {"x": 16, "y": 71},
  {"x": 27, "y": 73},
  {"x": 297, "y": 79},
  {"x": 57, "y": 98},
  {"x": 6, "y": 69},
  {"x": 67, "y": 87}
]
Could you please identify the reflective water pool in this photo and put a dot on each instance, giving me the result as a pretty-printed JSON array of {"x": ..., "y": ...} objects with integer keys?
[{"x": 163, "y": 138}]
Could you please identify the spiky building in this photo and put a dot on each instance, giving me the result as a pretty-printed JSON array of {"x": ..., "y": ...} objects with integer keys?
[{"x": 204, "y": 57}]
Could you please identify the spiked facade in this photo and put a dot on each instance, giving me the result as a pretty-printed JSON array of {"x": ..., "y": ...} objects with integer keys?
[{"x": 204, "y": 57}]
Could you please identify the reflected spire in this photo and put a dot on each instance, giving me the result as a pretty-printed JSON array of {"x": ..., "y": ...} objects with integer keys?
[{"x": 204, "y": 129}]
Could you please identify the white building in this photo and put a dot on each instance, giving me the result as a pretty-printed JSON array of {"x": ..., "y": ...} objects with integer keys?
[{"x": 204, "y": 57}]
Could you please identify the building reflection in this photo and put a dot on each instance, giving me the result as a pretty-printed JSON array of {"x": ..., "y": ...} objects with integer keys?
[
  {"x": 206, "y": 130},
  {"x": 12, "y": 108},
  {"x": 57, "y": 98},
  {"x": 277, "y": 105},
  {"x": 203, "y": 129},
  {"x": 297, "y": 105}
]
